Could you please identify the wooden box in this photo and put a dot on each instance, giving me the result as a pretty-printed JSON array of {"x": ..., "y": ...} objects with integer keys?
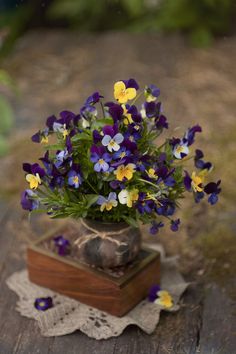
[{"x": 115, "y": 292}]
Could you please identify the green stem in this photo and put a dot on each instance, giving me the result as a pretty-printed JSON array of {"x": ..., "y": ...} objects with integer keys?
[
  {"x": 136, "y": 98},
  {"x": 148, "y": 182},
  {"x": 103, "y": 111},
  {"x": 90, "y": 185}
]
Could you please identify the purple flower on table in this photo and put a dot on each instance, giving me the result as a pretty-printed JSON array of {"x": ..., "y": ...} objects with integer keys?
[
  {"x": 155, "y": 226},
  {"x": 74, "y": 179},
  {"x": 174, "y": 226},
  {"x": 212, "y": 189},
  {"x": 112, "y": 139},
  {"x": 151, "y": 93},
  {"x": 62, "y": 245},
  {"x": 199, "y": 163},
  {"x": 29, "y": 200},
  {"x": 152, "y": 295},
  {"x": 100, "y": 158},
  {"x": 94, "y": 98},
  {"x": 43, "y": 303}
]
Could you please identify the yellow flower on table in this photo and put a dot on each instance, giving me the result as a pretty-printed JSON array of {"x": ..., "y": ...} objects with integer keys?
[
  {"x": 125, "y": 171},
  {"x": 123, "y": 94},
  {"x": 34, "y": 180},
  {"x": 164, "y": 299}
]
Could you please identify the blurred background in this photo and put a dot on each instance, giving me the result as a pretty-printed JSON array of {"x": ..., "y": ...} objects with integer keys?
[{"x": 54, "y": 53}]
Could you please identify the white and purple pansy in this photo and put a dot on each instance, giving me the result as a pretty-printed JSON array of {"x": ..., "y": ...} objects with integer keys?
[
  {"x": 181, "y": 150},
  {"x": 74, "y": 179},
  {"x": 112, "y": 139},
  {"x": 107, "y": 203}
]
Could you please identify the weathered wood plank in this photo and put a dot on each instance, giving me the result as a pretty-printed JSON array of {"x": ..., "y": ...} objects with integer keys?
[{"x": 218, "y": 332}]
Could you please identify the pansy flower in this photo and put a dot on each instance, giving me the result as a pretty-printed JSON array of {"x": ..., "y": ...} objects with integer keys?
[
  {"x": 100, "y": 158},
  {"x": 151, "y": 93},
  {"x": 74, "y": 179},
  {"x": 115, "y": 111},
  {"x": 212, "y": 189},
  {"x": 145, "y": 205},
  {"x": 41, "y": 136},
  {"x": 35, "y": 173},
  {"x": 88, "y": 112},
  {"x": 107, "y": 203},
  {"x": 121, "y": 154},
  {"x": 125, "y": 90},
  {"x": 181, "y": 150},
  {"x": 165, "y": 207},
  {"x": 29, "y": 200},
  {"x": 62, "y": 245},
  {"x": 155, "y": 226},
  {"x": 164, "y": 299},
  {"x": 198, "y": 160},
  {"x": 128, "y": 197},
  {"x": 112, "y": 139},
  {"x": 195, "y": 181},
  {"x": 174, "y": 226},
  {"x": 152, "y": 294},
  {"x": 43, "y": 303},
  {"x": 94, "y": 98},
  {"x": 125, "y": 171}
]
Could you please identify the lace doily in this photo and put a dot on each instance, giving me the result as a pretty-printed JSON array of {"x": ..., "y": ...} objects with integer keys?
[{"x": 69, "y": 315}]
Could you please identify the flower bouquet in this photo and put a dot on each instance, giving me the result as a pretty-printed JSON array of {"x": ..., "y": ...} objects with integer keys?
[{"x": 106, "y": 166}]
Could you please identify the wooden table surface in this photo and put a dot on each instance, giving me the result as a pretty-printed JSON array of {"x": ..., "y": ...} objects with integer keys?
[{"x": 205, "y": 323}]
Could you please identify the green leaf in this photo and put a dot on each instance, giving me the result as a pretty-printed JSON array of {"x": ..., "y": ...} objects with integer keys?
[
  {"x": 130, "y": 221},
  {"x": 91, "y": 199}
]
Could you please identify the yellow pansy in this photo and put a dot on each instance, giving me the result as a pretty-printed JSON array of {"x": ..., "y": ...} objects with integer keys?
[
  {"x": 197, "y": 180},
  {"x": 44, "y": 140},
  {"x": 34, "y": 180},
  {"x": 128, "y": 118},
  {"x": 123, "y": 94},
  {"x": 164, "y": 299},
  {"x": 125, "y": 171},
  {"x": 152, "y": 173}
]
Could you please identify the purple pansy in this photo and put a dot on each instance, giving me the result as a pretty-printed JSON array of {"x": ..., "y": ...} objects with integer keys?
[
  {"x": 100, "y": 158},
  {"x": 33, "y": 169},
  {"x": 28, "y": 201},
  {"x": 166, "y": 207},
  {"x": 145, "y": 205},
  {"x": 190, "y": 134},
  {"x": 88, "y": 111},
  {"x": 155, "y": 226},
  {"x": 187, "y": 181},
  {"x": 199, "y": 163},
  {"x": 175, "y": 225},
  {"x": 152, "y": 295},
  {"x": 94, "y": 98},
  {"x": 43, "y": 303},
  {"x": 121, "y": 154},
  {"x": 62, "y": 245},
  {"x": 212, "y": 189},
  {"x": 115, "y": 111},
  {"x": 151, "y": 92},
  {"x": 131, "y": 83},
  {"x": 97, "y": 137},
  {"x": 74, "y": 179}
]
